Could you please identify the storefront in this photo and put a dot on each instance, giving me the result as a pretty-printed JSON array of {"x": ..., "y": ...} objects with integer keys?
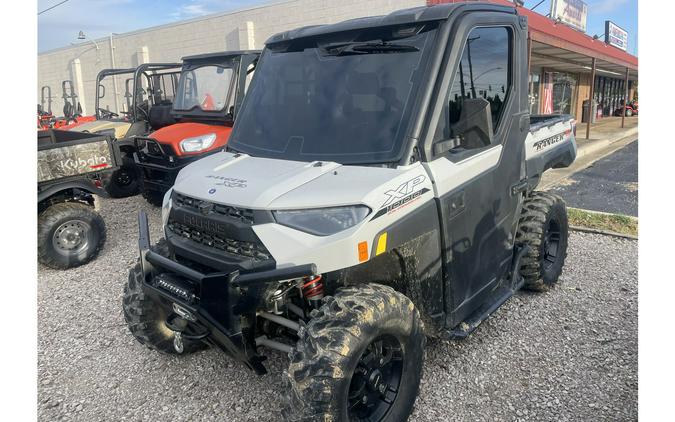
[{"x": 568, "y": 67}]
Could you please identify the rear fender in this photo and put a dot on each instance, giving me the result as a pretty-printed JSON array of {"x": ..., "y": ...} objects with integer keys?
[{"x": 85, "y": 185}]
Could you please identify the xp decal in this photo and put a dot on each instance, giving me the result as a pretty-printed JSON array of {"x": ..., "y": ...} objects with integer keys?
[{"x": 402, "y": 195}]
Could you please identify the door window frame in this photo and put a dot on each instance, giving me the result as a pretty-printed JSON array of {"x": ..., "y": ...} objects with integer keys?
[{"x": 457, "y": 40}]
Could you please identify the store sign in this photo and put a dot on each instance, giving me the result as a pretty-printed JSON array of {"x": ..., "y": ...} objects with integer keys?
[
  {"x": 570, "y": 12},
  {"x": 616, "y": 36}
]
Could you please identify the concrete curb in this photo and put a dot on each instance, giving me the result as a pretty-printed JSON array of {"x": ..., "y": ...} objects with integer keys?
[
  {"x": 597, "y": 145},
  {"x": 603, "y": 213},
  {"x": 603, "y": 232}
]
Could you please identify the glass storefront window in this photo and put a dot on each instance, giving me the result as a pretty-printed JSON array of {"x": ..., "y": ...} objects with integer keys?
[{"x": 559, "y": 92}]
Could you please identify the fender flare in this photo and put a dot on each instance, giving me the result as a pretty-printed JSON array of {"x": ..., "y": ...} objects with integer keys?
[{"x": 82, "y": 184}]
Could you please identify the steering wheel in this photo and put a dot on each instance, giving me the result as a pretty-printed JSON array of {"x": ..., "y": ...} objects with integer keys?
[{"x": 106, "y": 114}]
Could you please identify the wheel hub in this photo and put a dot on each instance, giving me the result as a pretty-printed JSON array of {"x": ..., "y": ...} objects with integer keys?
[
  {"x": 375, "y": 383},
  {"x": 71, "y": 237},
  {"x": 551, "y": 243}
]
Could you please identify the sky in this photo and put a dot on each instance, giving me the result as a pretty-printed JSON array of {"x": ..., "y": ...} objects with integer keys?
[{"x": 99, "y": 18}]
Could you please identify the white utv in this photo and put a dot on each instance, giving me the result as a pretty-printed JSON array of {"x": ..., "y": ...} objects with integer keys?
[{"x": 377, "y": 188}]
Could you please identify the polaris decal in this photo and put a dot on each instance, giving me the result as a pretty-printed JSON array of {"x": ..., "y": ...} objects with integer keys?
[
  {"x": 544, "y": 143},
  {"x": 228, "y": 182},
  {"x": 403, "y": 195}
]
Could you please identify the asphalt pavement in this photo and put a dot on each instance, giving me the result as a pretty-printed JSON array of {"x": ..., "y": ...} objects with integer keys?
[
  {"x": 567, "y": 355},
  {"x": 608, "y": 185}
]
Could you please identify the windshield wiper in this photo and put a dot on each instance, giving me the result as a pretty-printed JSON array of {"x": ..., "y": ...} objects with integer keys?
[{"x": 346, "y": 49}]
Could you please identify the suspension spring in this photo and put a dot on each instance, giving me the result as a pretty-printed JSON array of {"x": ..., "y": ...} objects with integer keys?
[{"x": 312, "y": 290}]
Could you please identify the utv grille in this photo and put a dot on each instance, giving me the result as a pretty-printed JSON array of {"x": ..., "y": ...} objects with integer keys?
[
  {"x": 206, "y": 208},
  {"x": 238, "y": 248}
]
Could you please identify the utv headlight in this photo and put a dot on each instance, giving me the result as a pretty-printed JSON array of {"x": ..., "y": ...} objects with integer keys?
[
  {"x": 323, "y": 221},
  {"x": 197, "y": 143}
]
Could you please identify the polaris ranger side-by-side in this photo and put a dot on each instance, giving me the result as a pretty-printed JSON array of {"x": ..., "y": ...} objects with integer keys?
[
  {"x": 377, "y": 188},
  {"x": 210, "y": 91}
]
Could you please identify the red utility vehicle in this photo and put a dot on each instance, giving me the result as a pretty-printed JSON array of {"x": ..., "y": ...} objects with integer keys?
[{"x": 210, "y": 91}]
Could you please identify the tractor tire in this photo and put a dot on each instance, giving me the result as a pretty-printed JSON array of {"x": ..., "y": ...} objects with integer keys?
[
  {"x": 145, "y": 319},
  {"x": 70, "y": 234},
  {"x": 122, "y": 183},
  {"x": 153, "y": 197},
  {"x": 544, "y": 228},
  {"x": 360, "y": 357}
]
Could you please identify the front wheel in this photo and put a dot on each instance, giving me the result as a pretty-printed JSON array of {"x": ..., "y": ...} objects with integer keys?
[
  {"x": 122, "y": 183},
  {"x": 153, "y": 197},
  {"x": 69, "y": 234},
  {"x": 359, "y": 358}
]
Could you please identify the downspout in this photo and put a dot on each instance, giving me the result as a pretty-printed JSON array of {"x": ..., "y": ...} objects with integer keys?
[{"x": 112, "y": 65}]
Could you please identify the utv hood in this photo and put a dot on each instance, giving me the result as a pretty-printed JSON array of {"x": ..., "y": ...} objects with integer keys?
[
  {"x": 262, "y": 183},
  {"x": 120, "y": 127}
]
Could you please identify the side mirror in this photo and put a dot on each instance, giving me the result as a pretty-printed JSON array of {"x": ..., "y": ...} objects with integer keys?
[
  {"x": 471, "y": 130},
  {"x": 101, "y": 91},
  {"x": 474, "y": 124}
]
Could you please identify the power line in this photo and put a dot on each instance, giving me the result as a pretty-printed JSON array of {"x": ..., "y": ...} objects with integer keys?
[{"x": 50, "y": 8}]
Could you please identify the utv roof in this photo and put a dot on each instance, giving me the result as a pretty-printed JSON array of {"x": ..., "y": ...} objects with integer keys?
[
  {"x": 220, "y": 55},
  {"x": 399, "y": 17}
]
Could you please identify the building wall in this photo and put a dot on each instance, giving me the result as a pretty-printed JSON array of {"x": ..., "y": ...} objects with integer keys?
[{"x": 244, "y": 29}]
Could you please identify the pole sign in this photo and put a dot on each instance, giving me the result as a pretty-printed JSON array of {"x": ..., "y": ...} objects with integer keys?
[
  {"x": 570, "y": 12},
  {"x": 616, "y": 36}
]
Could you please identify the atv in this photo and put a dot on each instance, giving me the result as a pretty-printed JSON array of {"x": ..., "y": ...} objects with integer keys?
[
  {"x": 373, "y": 193},
  {"x": 210, "y": 91},
  {"x": 70, "y": 164}
]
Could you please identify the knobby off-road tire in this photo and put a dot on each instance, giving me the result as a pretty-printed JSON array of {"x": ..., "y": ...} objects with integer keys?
[
  {"x": 153, "y": 197},
  {"x": 145, "y": 318},
  {"x": 123, "y": 182},
  {"x": 70, "y": 234},
  {"x": 543, "y": 227},
  {"x": 343, "y": 336}
]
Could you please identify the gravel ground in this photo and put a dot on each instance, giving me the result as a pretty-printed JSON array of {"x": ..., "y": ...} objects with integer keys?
[{"x": 570, "y": 354}]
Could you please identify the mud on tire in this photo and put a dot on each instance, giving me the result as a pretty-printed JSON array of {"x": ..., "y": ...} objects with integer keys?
[
  {"x": 328, "y": 364},
  {"x": 70, "y": 234},
  {"x": 145, "y": 319},
  {"x": 543, "y": 227}
]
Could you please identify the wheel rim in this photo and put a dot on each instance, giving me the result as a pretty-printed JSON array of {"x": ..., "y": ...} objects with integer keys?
[
  {"x": 551, "y": 243},
  {"x": 71, "y": 237},
  {"x": 376, "y": 380},
  {"x": 123, "y": 178}
]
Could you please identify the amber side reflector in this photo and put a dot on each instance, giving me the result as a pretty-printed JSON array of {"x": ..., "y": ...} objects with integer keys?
[
  {"x": 363, "y": 251},
  {"x": 381, "y": 244}
]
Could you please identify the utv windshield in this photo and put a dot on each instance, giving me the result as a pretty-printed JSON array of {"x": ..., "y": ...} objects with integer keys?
[
  {"x": 206, "y": 88},
  {"x": 347, "y": 101}
]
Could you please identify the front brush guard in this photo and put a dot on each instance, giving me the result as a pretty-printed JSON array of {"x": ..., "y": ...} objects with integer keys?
[{"x": 224, "y": 297}]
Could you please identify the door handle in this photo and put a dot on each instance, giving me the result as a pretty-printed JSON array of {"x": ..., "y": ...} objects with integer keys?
[{"x": 519, "y": 187}]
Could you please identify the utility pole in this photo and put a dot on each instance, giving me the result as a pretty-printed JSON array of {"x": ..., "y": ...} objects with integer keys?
[{"x": 468, "y": 51}]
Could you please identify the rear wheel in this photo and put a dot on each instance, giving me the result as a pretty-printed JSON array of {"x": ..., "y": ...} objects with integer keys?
[
  {"x": 543, "y": 227},
  {"x": 69, "y": 234},
  {"x": 145, "y": 318},
  {"x": 359, "y": 358}
]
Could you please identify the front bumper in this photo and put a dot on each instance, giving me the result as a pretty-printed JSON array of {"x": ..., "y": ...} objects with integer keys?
[
  {"x": 222, "y": 306},
  {"x": 158, "y": 164}
]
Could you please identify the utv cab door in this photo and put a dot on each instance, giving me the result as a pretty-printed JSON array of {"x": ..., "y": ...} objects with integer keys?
[{"x": 475, "y": 146}]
